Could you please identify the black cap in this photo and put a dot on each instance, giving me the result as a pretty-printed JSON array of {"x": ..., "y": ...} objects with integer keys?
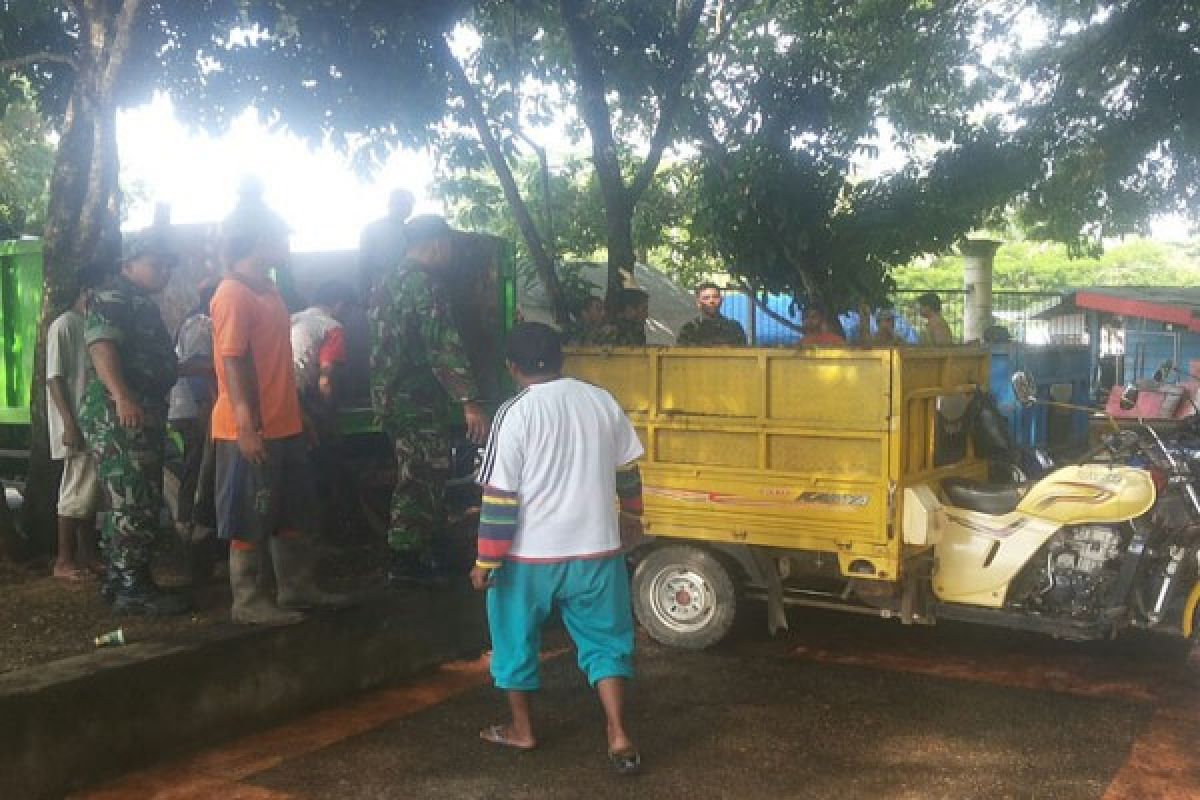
[
  {"x": 147, "y": 243},
  {"x": 535, "y": 348}
]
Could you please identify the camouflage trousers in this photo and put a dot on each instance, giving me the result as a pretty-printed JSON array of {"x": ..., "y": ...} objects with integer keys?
[
  {"x": 418, "y": 510},
  {"x": 130, "y": 465}
]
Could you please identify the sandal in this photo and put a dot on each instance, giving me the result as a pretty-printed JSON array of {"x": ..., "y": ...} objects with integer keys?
[
  {"x": 494, "y": 734},
  {"x": 625, "y": 762}
]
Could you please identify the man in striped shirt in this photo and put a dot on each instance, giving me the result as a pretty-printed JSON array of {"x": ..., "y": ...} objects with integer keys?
[{"x": 559, "y": 455}]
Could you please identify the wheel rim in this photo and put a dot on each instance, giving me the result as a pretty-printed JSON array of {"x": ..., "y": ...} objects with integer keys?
[{"x": 682, "y": 599}]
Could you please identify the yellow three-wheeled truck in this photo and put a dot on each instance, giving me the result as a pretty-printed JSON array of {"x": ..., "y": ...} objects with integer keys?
[{"x": 847, "y": 478}]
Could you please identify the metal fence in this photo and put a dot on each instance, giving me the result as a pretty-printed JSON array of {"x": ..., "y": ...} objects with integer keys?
[{"x": 1027, "y": 316}]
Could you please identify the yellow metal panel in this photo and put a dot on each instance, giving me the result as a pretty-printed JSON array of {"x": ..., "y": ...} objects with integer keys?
[
  {"x": 726, "y": 383},
  {"x": 843, "y": 456},
  {"x": 1189, "y": 611},
  {"x": 627, "y": 373},
  {"x": 712, "y": 448},
  {"x": 840, "y": 389}
]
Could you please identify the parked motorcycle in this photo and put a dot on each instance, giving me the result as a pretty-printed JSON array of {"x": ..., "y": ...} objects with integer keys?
[{"x": 1086, "y": 551}]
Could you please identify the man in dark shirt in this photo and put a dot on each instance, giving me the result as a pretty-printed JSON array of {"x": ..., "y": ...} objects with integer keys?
[
  {"x": 382, "y": 245},
  {"x": 711, "y": 328}
]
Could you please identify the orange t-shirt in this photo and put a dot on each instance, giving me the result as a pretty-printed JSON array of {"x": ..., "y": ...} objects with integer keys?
[
  {"x": 257, "y": 322},
  {"x": 825, "y": 338}
]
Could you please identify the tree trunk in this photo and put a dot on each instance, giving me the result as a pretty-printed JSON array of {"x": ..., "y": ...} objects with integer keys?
[
  {"x": 82, "y": 223},
  {"x": 622, "y": 258},
  {"x": 620, "y": 199}
]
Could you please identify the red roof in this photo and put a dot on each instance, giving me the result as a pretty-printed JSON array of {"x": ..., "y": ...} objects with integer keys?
[{"x": 1177, "y": 305}]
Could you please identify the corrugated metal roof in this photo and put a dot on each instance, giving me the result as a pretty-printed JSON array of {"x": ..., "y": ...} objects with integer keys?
[{"x": 1179, "y": 305}]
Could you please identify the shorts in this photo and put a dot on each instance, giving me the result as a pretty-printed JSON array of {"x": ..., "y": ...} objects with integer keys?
[
  {"x": 592, "y": 595},
  {"x": 79, "y": 492},
  {"x": 256, "y": 500}
]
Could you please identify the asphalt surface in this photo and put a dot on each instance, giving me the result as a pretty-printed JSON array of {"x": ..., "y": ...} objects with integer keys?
[{"x": 841, "y": 707}]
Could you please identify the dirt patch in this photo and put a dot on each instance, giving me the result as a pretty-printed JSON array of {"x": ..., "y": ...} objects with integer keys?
[{"x": 43, "y": 619}]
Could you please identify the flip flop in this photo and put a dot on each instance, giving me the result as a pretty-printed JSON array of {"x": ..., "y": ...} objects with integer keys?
[
  {"x": 625, "y": 762},
  {"x": 494, "y": 734}
]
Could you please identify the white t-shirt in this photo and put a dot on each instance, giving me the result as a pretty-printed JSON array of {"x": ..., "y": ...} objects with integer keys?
[
  {"x": 309, "y": 329},
  {"x": 194, "y": 341},
  {"x": 558, "y": 446},
  {"x": 66, "y": 358}
]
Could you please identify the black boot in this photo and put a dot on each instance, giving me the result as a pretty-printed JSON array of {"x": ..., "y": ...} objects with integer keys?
[{"x": 136, "y": 593}]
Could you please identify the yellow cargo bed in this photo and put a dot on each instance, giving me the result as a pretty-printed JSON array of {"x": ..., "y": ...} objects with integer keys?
[{"x": 804, "y": 449}]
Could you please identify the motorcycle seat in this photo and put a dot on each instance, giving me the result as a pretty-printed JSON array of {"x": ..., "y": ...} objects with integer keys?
[{"x": 990, "y": 498}]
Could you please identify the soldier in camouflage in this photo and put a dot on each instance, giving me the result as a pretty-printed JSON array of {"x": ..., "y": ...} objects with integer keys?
[
  {"x": 123, "y": 417},
  {"x": 418, "y": 367},
  {"x": 586, "y": 328},
  {"x": 631, "y": 309},
  {"x": 711, "y": 328}
]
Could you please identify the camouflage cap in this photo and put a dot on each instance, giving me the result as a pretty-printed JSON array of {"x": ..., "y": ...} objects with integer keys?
[{"x": 147, "y": 243}]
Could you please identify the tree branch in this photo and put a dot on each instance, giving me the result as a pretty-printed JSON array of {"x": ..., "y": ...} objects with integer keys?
[
  {"x": 547, "y": 201},
  {"x": 122, "y": 37},
  {"x": 512, "y": 193},
  {"x": 593, "y": 105},
  {"x": 669, "y": 99},
  {"x": 20, "y": 62}
]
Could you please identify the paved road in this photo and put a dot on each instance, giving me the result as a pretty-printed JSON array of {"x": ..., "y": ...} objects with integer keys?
[{"x": 842, "y": 707}]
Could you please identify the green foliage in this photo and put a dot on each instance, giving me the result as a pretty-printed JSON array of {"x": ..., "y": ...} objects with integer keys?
[
  {"x": 1113, "y": 117},
  {"x": 26, "y": 161},
  {"x": 575, "y": 227},
  {"x": 1037, "y": 266},
  {"x": 791, "y": 105}
]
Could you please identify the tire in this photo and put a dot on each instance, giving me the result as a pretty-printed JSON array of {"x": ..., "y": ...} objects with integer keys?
[{"x": 684, "y": 597}]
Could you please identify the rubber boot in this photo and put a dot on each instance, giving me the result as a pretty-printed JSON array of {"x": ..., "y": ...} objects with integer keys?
[
  {"x": 136, "y": 593},
  {"x": 295, "y": 560},
  {"x": 251, "y": 603}
]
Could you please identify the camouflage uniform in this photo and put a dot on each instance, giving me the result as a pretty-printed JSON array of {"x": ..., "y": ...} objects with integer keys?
[
  {"x": 620, "y": 333},
  {"x": 579, "y": 333},
  {"x": 418, "y": 364},
  {"x": 705, "y": 331},
  {"x": 129, "y": 460}
]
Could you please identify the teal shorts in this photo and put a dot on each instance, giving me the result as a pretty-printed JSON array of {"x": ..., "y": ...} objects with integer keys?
[{"x": 592, "y": 596}]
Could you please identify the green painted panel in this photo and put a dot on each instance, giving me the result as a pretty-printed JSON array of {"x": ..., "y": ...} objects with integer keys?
[{"x": 20, "y": 308}]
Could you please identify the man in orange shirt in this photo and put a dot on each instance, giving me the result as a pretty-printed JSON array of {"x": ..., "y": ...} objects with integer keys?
[
  {"x": 265, "y": 486},
  {"x": 821, "y": 328}
]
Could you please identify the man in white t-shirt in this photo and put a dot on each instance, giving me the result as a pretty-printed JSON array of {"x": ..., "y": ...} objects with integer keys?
[
  {"x": 319, "y": 342},
  {"x": 79, "y": 490},
  {"x": 189, "y": 409},
  {"x": 559, "y": 456}
]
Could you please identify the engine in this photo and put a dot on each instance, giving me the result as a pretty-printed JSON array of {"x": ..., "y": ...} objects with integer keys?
[{"x": 1072, "y": 578}]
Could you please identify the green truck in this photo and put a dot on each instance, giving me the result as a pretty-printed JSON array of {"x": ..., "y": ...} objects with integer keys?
[{"x": 20, "y": 305}]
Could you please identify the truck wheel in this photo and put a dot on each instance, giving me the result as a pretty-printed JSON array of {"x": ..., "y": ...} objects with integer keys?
[{"x": 684, "y": 597}]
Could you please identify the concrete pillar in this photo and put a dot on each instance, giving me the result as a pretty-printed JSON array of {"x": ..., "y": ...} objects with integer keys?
[{"x": 977, "y": 280}]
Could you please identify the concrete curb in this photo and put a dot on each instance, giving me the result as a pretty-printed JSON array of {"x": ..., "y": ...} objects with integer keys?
[{"x": 79, "y": 720}]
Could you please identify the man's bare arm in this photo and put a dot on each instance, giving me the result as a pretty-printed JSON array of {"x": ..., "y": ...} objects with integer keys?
[
  {"x": 107, "y": 360},
  {"x": 56, "y": 387},
  {"x": 242, "y": 384}
]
